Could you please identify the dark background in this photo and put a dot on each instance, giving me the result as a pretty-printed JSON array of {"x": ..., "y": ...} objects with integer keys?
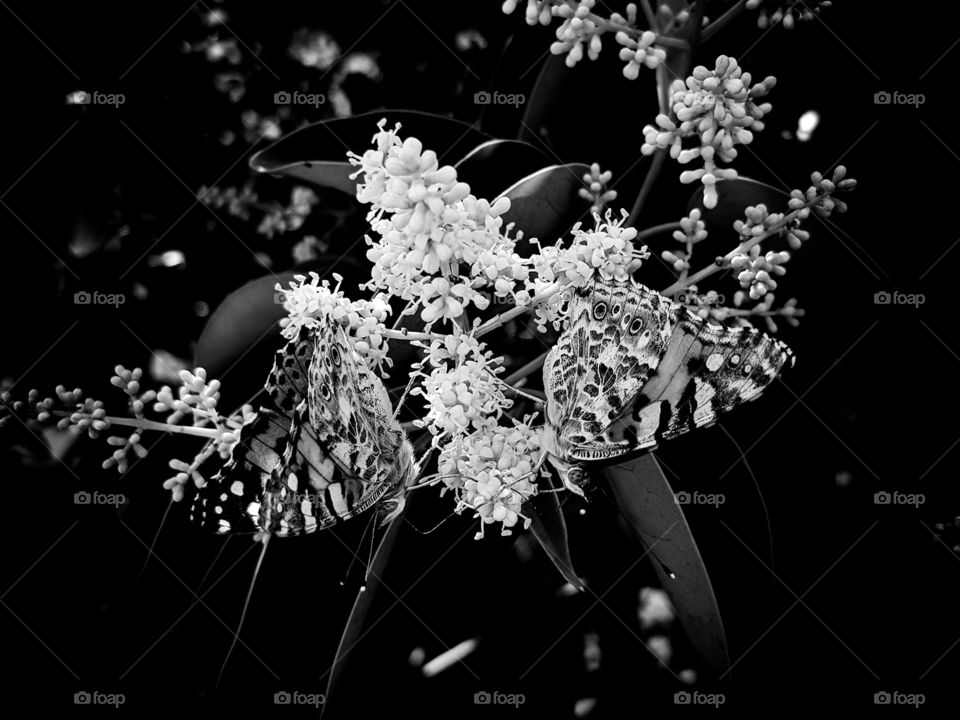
[{"x": 84, "y": 609}]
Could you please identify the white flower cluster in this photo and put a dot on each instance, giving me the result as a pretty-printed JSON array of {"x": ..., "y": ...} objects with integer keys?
[
  {"x": 692, "y": 231},
  {"x": 462, "y": 391},
  {"x": 581, "y": 28},
  {"x": 438, "y": 245},
  {"x": 198, "y": 398},
  {"x": 789, "y": 15},
  {"x": 308, "y": 301},
  {"x": 595, "y": 189},
  {"x": 493, "y": 471},
  {"x": 719, "y": 108},
  {"x": 608, "y": 249},
  {"x": 439, "y": 249}
]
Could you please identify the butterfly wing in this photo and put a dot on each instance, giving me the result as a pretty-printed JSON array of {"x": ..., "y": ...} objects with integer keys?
[
  {"x": 230, "y": 501},
  {"x": 297, "y": 469},
  {"x": 616, "y": 333},
  {"x": 684, "y": 376}
]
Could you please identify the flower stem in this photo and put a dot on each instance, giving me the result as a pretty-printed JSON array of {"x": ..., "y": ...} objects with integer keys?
[
  {"x": 528, "y": 369},
  {"x": 721, "y": 22},
  {"x": 151, "y": 425},
  {"x": 404, "y": 334},
  {"x": 724, "y": 261},
  {"x": 659, "y": 156},
  {"x": 505, "y": 317},
  {"x": 656, "y": 229}
]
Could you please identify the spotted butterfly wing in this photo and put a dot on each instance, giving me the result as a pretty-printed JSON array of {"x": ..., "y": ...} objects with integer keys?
[
  {"x": 321, "y": 450},
  {"x": 633, "y": 368}
]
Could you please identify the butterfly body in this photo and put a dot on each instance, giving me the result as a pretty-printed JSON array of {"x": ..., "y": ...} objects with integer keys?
[
  {"x": 323, "y": 447},
  {"x": 633, "y": 367}
]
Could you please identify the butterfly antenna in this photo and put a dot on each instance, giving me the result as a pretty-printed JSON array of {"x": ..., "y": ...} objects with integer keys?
[
  {"x": 419, "y": 465},
  {"x": 353, "y": 560},
  {"x": 373, "y": 536},
  {"x": 435, "y": 527},
  {"x": 153, "y": 543},
  {"x": 756, "y": 484},
  {"x": 403, "y": 397},
  {"x": 216, "y": 558},
  {"x": 243, "y": 613}
]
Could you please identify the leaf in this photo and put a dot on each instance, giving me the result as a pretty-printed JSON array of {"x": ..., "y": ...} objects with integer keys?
[
  {"x": 550, "y": 529},
  {"x": 545, "y": 204},
  {"x": 358, "y": 621},
  {"x": 733, "y": 198},
  {"x": 317, "y": 153},
  {"x": 646, "y": 499},
  {"x": 547, "y": 93},
  {"x": 495, "y": 163}
]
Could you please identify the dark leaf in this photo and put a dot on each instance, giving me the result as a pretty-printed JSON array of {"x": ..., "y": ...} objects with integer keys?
[
  {"x": 317, "y": 153},
  {"x": 547, "y": 93},
  {"x": 359, "y": 619},
  {"x": 545, "y": 204},
  {"x": 496, "y": 163},
  {"x": 550, "y": 529},
  {"x": 645, "y": 498}
]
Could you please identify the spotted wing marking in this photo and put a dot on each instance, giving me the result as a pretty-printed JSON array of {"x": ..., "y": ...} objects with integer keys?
[{"x": 628, "y": 395}]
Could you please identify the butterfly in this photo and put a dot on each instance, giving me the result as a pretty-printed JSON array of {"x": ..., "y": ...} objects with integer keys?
[
  {"x": 632, "y": 368},
  {"x": 322, "y": 448}
]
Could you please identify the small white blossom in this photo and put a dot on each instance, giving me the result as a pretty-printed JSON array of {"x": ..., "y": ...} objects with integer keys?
[
  {"x": 493, "y": 472},
  {"x": 719, "y": 108}
]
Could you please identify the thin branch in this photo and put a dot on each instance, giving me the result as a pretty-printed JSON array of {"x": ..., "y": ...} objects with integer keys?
[
  {"x": 150, "y": 425},
  {"x": 659, "y": 156},
  {"x": 721, "y": 22},
  {"x": 724, "y": 261},
  {"x": 657, "y": 229}
]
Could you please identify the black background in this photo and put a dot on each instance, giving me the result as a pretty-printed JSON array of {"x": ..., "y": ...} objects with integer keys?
[{"x": 877, "y": 386}]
